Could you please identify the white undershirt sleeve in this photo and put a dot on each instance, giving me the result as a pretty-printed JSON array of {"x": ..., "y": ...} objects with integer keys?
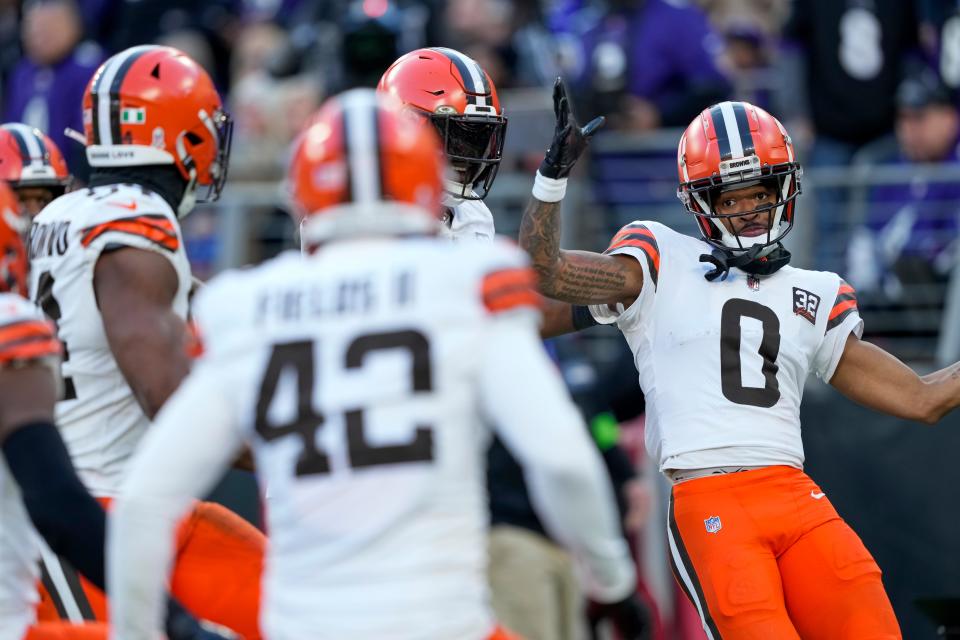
[
  {"x": 182, "y": 456},
  {"x": 523, "y": 396}
]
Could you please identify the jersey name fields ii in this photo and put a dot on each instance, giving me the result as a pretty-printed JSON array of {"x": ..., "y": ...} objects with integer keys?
[{"x": 354, "y": 379}]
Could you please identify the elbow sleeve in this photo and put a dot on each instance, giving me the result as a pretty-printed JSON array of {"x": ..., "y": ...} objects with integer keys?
[{"x": 60, "y": 507}]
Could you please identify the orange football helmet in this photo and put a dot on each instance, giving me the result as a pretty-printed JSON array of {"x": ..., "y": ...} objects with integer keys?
[
  {"x": 13, "y": 254},
  {"x": 151, "y": 105},
  {"x": 29, "y": 158},
  {"x": 732, "y": 145},
  {"x": 364, "y": 166},
  {"x": 460, "y": 100}
]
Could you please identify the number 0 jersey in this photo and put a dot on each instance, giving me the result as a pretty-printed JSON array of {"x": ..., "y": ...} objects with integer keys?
[
  {"x": 98, "y": 414},
  {"x": 722, "y": 364},
  {"x": 25, "y": 335}
]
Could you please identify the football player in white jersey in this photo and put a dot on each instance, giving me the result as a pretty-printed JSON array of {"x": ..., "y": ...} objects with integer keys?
[
  {"x": 724, "y": 333},
  {"x": 40, "y": 491},
  {"x": 109, "y": 266},
  {"x": 458, "y": 97},
  {"x": 453, "y": 92},
  {"x": 362, "y": 375}
]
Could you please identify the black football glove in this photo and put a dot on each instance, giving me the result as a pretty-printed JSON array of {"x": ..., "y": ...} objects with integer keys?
[
  {"x": 183, "y": 626},
  {"x": 569, "y": 139},
  {"x": 630, "y": 617}
]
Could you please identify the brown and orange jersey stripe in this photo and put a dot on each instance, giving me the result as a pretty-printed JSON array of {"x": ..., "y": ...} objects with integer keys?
[
  {"x": 194, "y": 340},
  {"x": 507, "y": 289},
  {"x": 640, "y": 237},
  {"x": 28, "y": 340},
  {"x": 154, "y": 227},
  {"x": 845, "y": 304}
]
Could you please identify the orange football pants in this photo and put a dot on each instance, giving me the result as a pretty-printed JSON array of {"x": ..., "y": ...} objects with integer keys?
[
  {"x": 763, "y": 554},
  {"x": 216, "y": 575},
  {"x": 67, "y": 631}
]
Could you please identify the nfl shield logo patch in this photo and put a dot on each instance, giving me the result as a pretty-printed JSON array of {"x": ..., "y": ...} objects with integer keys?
[{"x": 712, "y": 524}]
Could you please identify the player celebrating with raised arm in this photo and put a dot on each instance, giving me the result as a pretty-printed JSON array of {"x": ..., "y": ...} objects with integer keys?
[
  {"x": 724, "y": 333},
  {"x": 109, "y": 266},
  {"x": 363, "y": 376}
]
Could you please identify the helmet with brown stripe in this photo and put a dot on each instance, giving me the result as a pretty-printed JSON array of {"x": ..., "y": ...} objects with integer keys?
[
  {"x": 28, "y": 157},
  {"x": 459, "y": 98},
  {"x": 31, "y": 163},
  {"x": 735, "y": 145},
  {"x": 153, "y": 105},
  {"x": 364, "y": 166},
  {"x": 13, "y": 254}
]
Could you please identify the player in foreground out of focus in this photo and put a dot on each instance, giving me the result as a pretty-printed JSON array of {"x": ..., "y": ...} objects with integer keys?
[
  {"x": 108, "y": 265},
  {"x": 362, "y": 375},
  {"x": 724, "y": 333}
]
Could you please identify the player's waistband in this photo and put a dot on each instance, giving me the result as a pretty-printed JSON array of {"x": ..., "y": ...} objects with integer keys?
[{"x": 677, "y": 476}]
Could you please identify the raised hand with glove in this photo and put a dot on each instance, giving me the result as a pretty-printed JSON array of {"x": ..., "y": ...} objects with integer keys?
[{"x": 569, "y": 142}]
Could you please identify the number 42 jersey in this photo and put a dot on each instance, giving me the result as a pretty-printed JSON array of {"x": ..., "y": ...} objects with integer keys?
[
  {"x": 722, "y": 364},
  {"x": 98, "y": 415}
]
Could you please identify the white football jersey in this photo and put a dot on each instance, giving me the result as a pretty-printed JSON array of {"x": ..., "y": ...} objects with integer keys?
[
  {"x": 364, "y": 376},
  {"x": 377, "y": 514},
  {"x": 468, "y": 220},
  {"x": 24, "y": 335},
  {"x": 722, "y": 364},
  {"x": 98, "y": 414}
]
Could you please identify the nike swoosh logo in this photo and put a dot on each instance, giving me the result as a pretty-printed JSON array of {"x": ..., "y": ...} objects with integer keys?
[
  {"x": 816, "y": 496},
  {"x": 132, "y": 206}
]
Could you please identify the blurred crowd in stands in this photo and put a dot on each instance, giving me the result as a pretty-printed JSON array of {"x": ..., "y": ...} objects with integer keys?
[{"x": 855, "y": 81}]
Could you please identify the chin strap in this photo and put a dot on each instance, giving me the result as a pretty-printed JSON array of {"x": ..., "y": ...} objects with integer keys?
[{"x": 749, "y": 261}]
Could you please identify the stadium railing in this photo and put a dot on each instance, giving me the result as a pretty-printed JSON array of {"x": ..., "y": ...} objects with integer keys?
[{"x": 633, "y": 177}]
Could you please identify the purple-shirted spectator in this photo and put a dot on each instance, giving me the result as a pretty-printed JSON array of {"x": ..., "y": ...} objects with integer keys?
[
  {"x": 909, "y": 236},
  {"x": 46, "y": 87},
  {"x": 647, "y": 63}
]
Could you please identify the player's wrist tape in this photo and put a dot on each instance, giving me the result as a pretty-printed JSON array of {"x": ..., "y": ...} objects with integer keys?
[{"x": 549, "y": 189}]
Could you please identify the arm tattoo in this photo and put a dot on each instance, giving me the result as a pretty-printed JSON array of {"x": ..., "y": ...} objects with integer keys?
[
  {"x": 578, "y": 277},
  {"x": 540, "y": 235}
]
